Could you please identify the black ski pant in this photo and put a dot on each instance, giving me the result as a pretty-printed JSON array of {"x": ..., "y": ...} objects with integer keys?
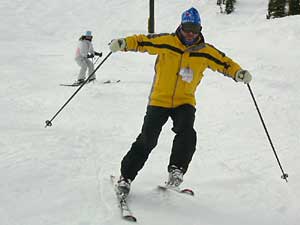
[{"x": 184, "y": 143}]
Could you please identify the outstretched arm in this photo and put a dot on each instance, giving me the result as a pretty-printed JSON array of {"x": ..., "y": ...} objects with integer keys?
[
  {"x": 153, "y": 44},
  {"x": 227, "y": 66}
]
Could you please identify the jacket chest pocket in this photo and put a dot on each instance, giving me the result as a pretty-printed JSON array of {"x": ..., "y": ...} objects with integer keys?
[{"x": 190, "y": 88}]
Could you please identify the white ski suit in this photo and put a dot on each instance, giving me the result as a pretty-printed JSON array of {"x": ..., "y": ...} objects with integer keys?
[{"x": 84, "y": 47}]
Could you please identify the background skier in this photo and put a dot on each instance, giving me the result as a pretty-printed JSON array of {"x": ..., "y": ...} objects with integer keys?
[{"x": 84, "y": 51}]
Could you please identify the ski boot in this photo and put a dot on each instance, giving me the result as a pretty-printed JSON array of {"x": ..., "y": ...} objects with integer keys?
[
  {"x": 78, "y": 82},
  {"x": 175, "y": 177},
  {"x": 123, "y": 186}
]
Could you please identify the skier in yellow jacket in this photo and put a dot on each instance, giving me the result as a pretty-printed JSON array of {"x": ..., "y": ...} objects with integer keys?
[{"x": 182, "y": 57}]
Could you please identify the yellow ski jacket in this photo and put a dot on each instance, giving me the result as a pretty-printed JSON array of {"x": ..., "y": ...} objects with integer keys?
[{"x": 169, "y": 89}]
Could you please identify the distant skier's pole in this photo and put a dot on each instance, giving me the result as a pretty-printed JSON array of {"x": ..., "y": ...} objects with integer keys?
[
  {"x": 97, "y": 60},
  {"x": 49, "y": 122},
  {"x": 284, "y": 175}
]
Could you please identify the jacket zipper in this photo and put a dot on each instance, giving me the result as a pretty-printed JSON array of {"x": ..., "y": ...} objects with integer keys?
[{"x": 176, "y": 82}]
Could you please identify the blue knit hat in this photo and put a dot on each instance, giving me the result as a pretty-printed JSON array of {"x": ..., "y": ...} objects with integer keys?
[
  {"x": 191, "y": 16},
  {"x": 88, "y": 33}
]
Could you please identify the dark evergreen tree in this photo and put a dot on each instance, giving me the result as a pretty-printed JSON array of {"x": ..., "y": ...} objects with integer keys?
[
  {"x": 219, "y": 2},
  {"x": 229, "y": 6},
  {"x": 294, "y": 7},
  {"x": 276, "y": 8}
]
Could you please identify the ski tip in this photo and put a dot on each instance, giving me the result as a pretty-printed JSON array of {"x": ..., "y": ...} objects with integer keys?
[
  {"x": 130, "y": 218},
  {"x": 112, "y": 177},
  {"x": 161, "y": 187},
  {"x": 188, "y": 191}
]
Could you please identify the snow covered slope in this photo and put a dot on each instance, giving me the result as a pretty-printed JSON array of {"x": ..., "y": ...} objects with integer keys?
[{"x": 60, "y": 175}]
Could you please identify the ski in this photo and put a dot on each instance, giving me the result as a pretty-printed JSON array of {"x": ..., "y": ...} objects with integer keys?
[
  {"x": 123, "y": 205},
  {"x": 178, "y": 190},
  {"x": 75, "y": 84},
  {"x": 70, "y": 85},
  {"x": 111, "y": 81},
  {"x": 103, "y": 82}
]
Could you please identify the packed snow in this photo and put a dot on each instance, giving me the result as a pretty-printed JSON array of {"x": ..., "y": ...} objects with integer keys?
[{"x": 60, "y": 175}]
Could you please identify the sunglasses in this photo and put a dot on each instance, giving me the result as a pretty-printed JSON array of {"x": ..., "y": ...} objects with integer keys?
[{"x": 191, "y": 28}]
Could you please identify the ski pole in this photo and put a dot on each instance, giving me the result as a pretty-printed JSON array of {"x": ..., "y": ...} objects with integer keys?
[
  {"x": 284, "y": 175},
  {"x": 96, "y": 60},
  {"x": 49, "y": 122}
]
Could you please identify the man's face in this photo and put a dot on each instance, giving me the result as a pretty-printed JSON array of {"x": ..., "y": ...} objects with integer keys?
[
  {"x": 189, "y": 35},
  {"x": 190, "y": 31}
]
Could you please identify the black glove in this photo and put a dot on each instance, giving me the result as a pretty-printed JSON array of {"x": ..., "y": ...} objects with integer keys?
[
  {"x": 91, "y": 56},
  {"x": 98, "y": 54}
]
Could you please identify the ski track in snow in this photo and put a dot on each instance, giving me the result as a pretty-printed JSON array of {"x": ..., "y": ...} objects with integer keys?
[{"x": 60, "y": 175}]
